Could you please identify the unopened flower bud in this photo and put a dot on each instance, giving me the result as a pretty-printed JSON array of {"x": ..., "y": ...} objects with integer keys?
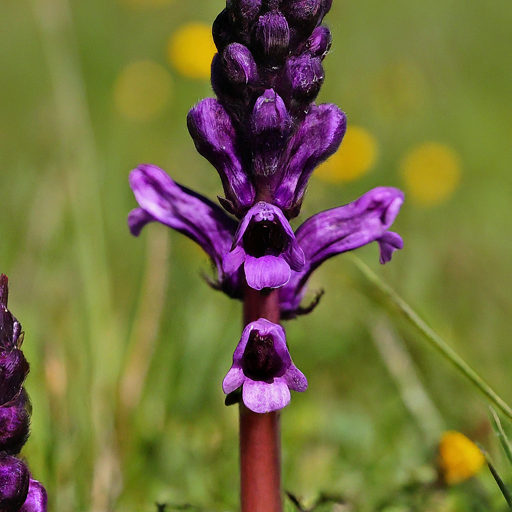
[
  {"x": 234, "y": 71},
  {"x": 305, "y": 76},
  {"x": 13, "y": 371},
  {"x": 319, "y": 43},
  {"x": 14, "y": 425},
  {"x": 302, "y": 11},
  {"x": 14, "y": 481},
  {"x": 222, "y": 31},
  {"x": 273, "y": 37},
  {"x": 270, "y": 125},
  {"x": 243, "y": 14}
]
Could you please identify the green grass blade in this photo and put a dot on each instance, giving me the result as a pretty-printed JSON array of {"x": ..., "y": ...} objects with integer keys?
[
  {"x": 501, "y": 435},
  {"x": 433, "y": 338},
  {"x": 503, "y": 488}
]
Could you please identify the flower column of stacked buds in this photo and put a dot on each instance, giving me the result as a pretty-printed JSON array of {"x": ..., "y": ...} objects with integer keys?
[
  {"x": 265, "y": 135},
  {"x": 18, "y": 490}
]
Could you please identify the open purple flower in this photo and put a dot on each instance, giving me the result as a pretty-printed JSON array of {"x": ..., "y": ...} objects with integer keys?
[
  {"x": 343, "y": 229},
  {"x": 265, "y": 244},
  {"x": 263, "y": 367}
]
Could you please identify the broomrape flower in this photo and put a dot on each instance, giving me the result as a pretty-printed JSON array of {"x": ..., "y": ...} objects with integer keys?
[{"x": 263, "y": 367}]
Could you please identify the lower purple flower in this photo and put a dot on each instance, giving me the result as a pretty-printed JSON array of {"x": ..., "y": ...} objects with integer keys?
[
  {"x": 265, "y": 244},
  {"x": 263, "y": 367}
]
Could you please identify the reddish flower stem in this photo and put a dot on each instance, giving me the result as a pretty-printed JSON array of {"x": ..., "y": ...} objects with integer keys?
[{"x": 260, "y": 446}]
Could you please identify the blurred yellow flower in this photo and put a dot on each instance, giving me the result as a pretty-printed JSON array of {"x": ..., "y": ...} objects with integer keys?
[
  {"x": 459, "y": 457},
  {"x": 191, "y": 50},
  {"x": 356, "y": 156},
  {"x": 142, "y": 90},
  {"x": 431, "y": 173}
]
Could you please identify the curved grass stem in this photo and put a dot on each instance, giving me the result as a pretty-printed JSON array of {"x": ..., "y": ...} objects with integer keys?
[{"x": 432, "y": 337}]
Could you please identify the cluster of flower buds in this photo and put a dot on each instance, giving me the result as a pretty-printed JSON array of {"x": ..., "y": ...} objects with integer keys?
[
  {"x": 265, "y": 135},
  {"x": 18, "y": 490}
]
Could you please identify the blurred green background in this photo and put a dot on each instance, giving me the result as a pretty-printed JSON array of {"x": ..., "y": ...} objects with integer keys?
[{"x": 128, "y": 345}]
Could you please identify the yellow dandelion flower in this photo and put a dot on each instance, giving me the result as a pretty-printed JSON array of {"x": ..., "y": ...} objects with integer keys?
[
  {"x": 142, "y": 90},
  {"x": 459, "y": 457},
  {"x": 356, "y": 156},
  {"x": 191, "y": 50},
  {"x": 431, "y": 173}
]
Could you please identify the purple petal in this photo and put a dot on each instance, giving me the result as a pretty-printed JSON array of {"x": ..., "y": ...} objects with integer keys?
[
  {"x": 295, "y": 379},
  {"x": 233, "y": 379},
  {"x": 343, "y": 229},
  {"x": 262, "y": 397},
  {"x": 389, "y": 242},
  {"x": 266, "y": 272},
  {"x": 37, "y": 498},
  {"x": 233, "y": 260},
  {"x": 183, "y": 210},
  {"x": 137, "y": 219},
  {"x": 318, "y": 138},
  {"x": 216, "y": 139}
]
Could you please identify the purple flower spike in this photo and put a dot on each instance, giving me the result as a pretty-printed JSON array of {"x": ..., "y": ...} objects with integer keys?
[
  {"x": 266, "y": 245},
  {"x": 215, "y": 138},
  {"x": 340, "y": 230},
  {"x": 161, "y": 199},
  {"x": 270, "y": 124},
  {"x": 36, "y": 499},
  {"x": 318, "y": 137},
  {"x": 14, "y": 481},
  {"x": 14, "y": 425},
  {"x": 263, "y": 366}
]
